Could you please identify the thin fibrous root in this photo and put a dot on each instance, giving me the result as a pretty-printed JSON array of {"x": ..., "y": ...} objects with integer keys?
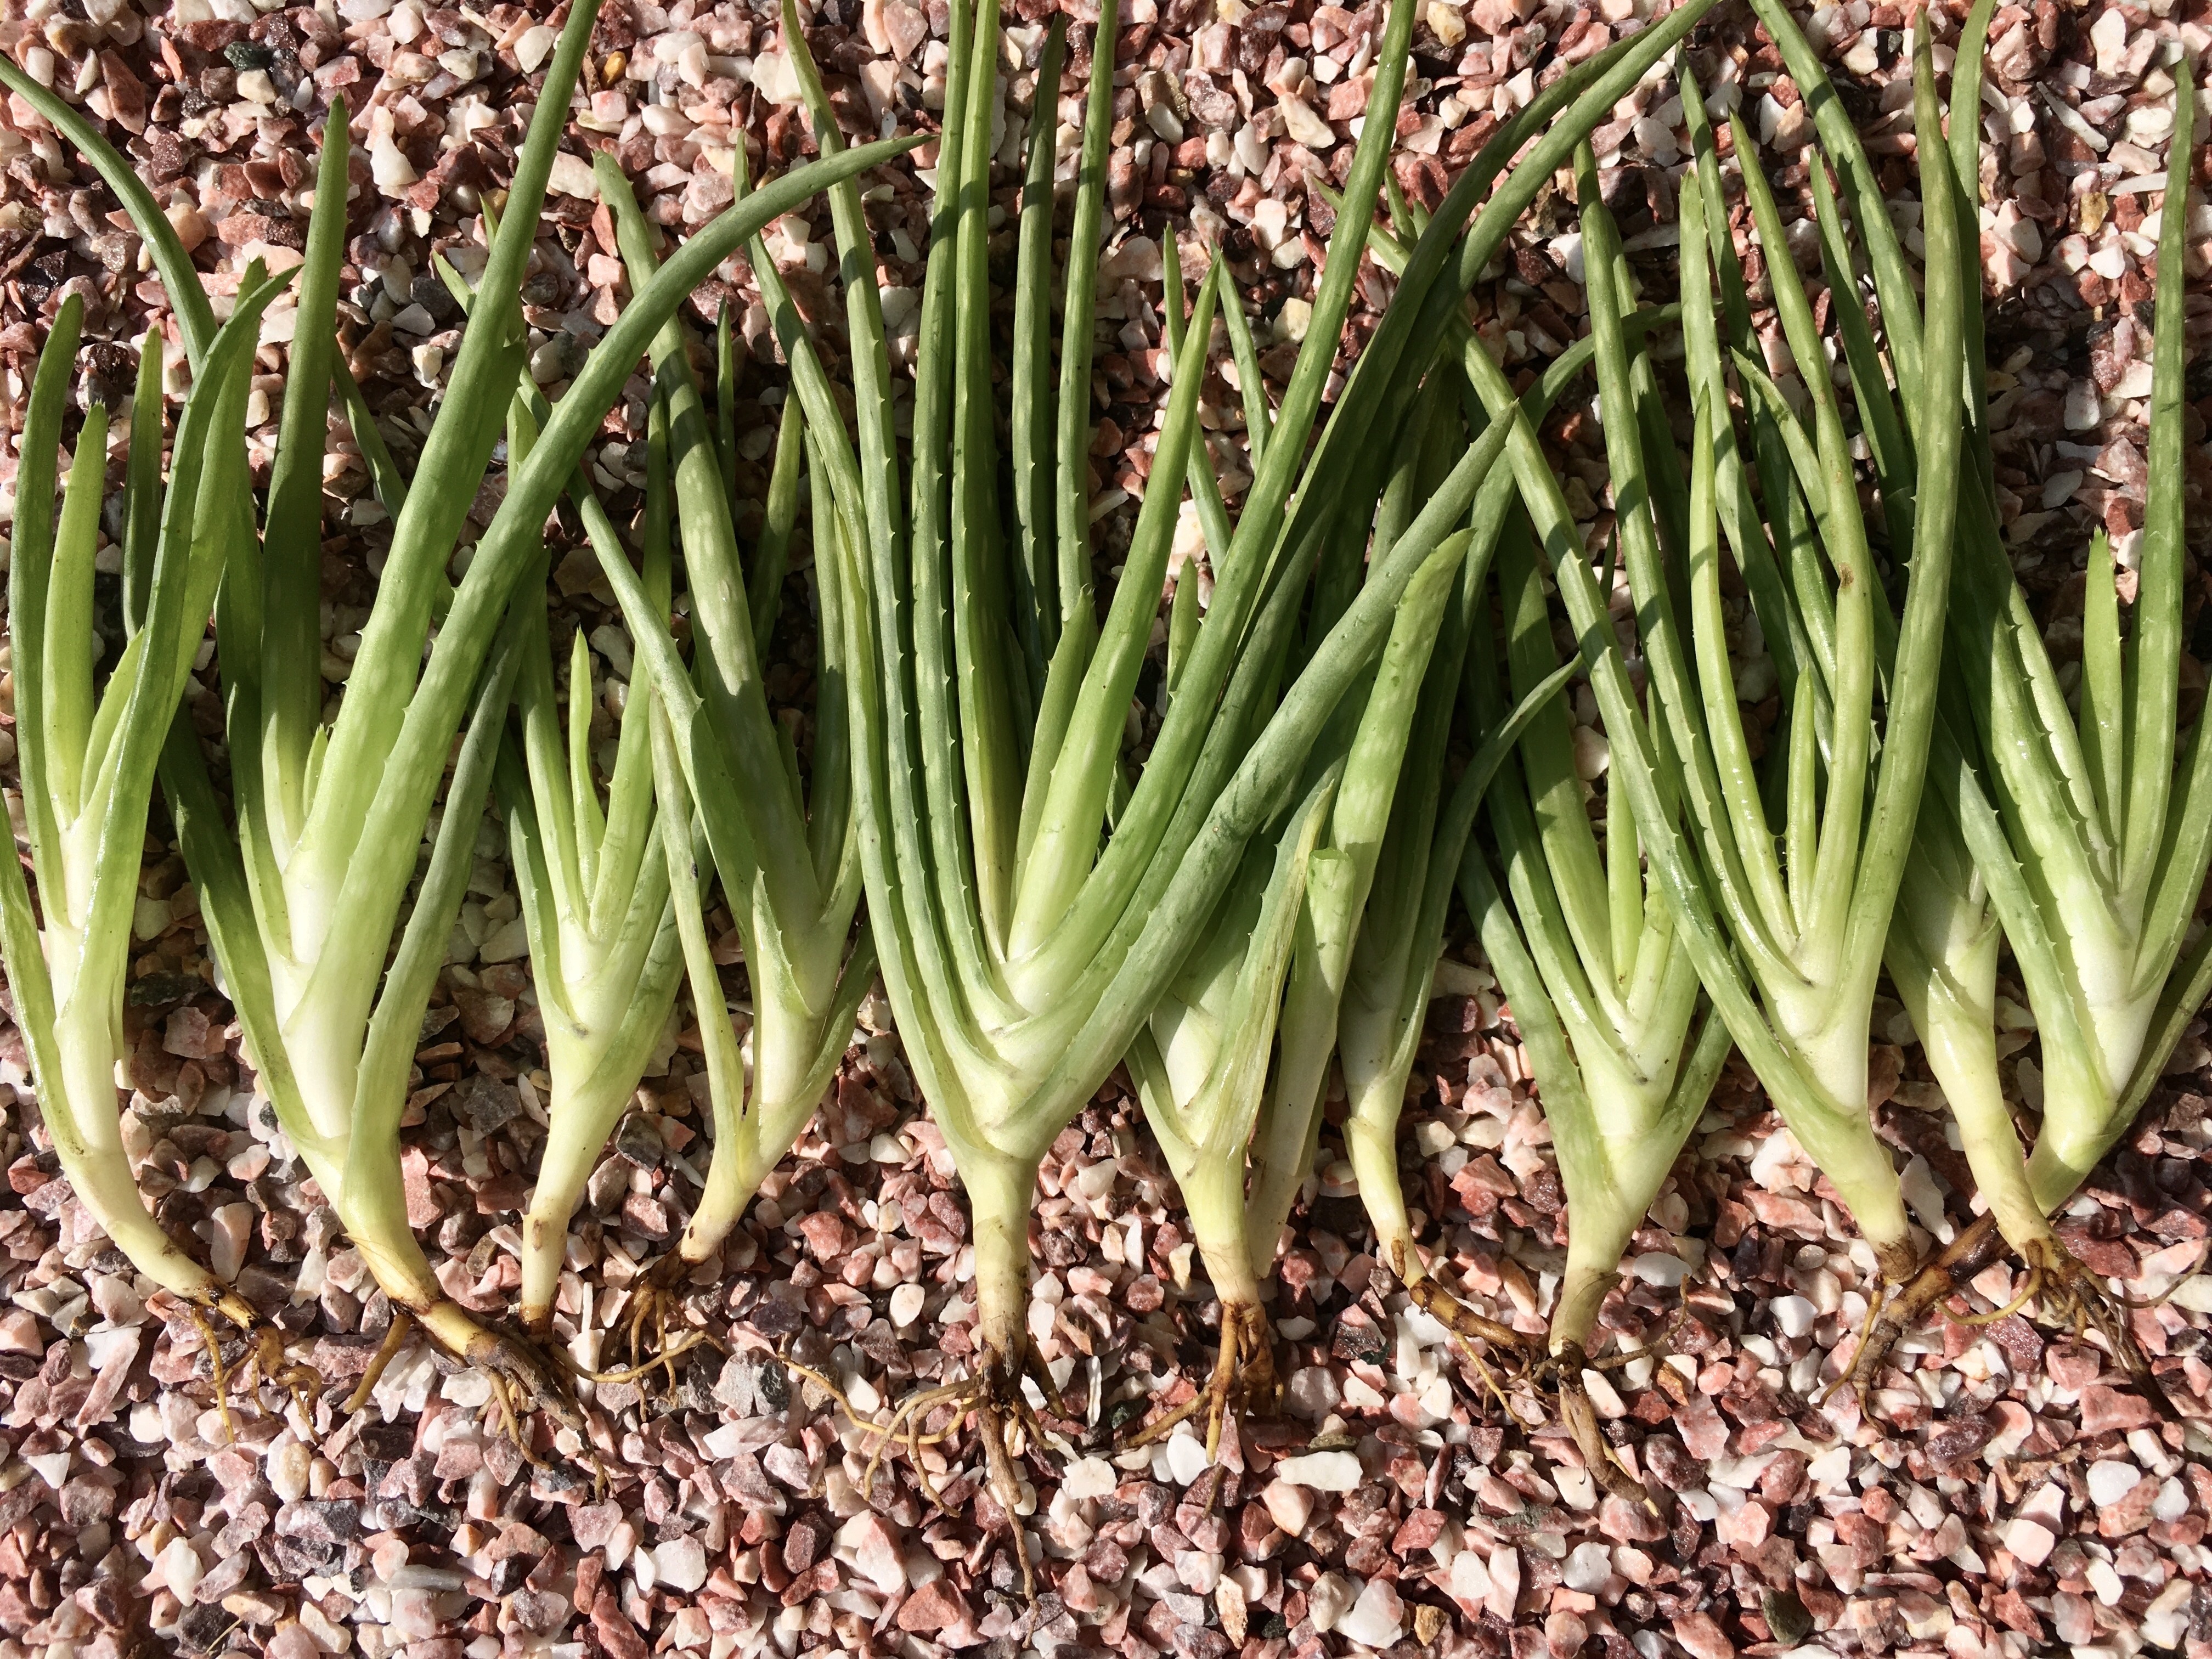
[
  {"x": 2031, "y": 1283},
  {"x": 911, "y": 1412},
  {"x": 1897, "y": 1310},
  {"x": 992, "y": 1397},
  {"x": 1579, "y": 1418},
  {"x": 510, "y": 1399},
  {"x": 1655, "y": 1352},
  {"x": 2068, "y": 1293},
  {"x": 522, "y": 1379},
  {"x": 395, "y": 1338},
  {"x": 268, "y": 1359},
  {"x": 215, "y": 1369},
  {"x": 1863, "y": 1347},
  {"x": 665, "y": 1360},
  {"x": 2066, "y": 1284},
  {"x": 1469, "y": 1327},
  {"x": 2144, "y": 1304},
  {"x": 652, "y": 1298},
  {"x": 1244, "y": 1380}
]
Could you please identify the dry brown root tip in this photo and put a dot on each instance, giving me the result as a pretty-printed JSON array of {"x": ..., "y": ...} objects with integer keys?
[
  {"x": 1579, "y": 1418},
  {"x": 237, "y": 1309},
  {"x": 1000, "y": 1409},
  {"x": 1523, "y": 1358},
  {"x": 1903, "y": 1300},
  {"x": 1243, "y": 1382},
  {"x": 525, "y": 1381},
  {"x": 2064, "y": 1292}
]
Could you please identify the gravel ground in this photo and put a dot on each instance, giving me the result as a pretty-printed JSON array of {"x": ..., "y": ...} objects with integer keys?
[{"x": 2000, "y": 1493}]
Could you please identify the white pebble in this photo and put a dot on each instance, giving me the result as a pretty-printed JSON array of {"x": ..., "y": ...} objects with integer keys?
[
  {"x": 1378, "y": 1618},
  {"x": 572, "y": 176},
  {"x": 2165, "y": 1621},
  {"x": 681, "y": 1563},
  {"x": 1288, "y": 1506},
  {"x": 2105, "y": 1581},
  {"x": 2081, "y": 411},
  {"x": 52, "y": 1467},
  {"x": 1089, "y": 1477},
  {"x": 775, "y": 77},
  {"x": 180, "y": 1568},
  {"x": 1198, "y": 1571},
  {"x": 1326, "y": 1471},
  {"x": 1187, "y": 1458},
  {"x": 1329, "y": 1601},
  {"x": 2111, "y": 1481},
  {"x": 1313, "y": 1392},
  {"x": 1304, "y": 126},
  {"x": 535, "y": 46},
  {"x": 388, "y": 165},
  {"x": 907, "y": 1304},
  {"x": 1793, "y": 1314},
  {"x": 1588, "y": 1566},
  {"x": 289, "y": 1466},
  {"x": 1657, "y": 1268},
  {"x": 1470, "y": 1579}
]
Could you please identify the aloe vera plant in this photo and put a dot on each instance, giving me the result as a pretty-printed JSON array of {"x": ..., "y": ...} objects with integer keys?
[
  {"x": 88, "y": 759},
  {"x": 2090, "y": 832},
  {"x": 596, "y": 904},
  {"x": 1391, "y": 967},
  {"x": 1363, "y": 442},
  {"x": 302, "y": 899},
  {"x": 592, "y": 880},
  {"x": 788, "y": 857},
  {"x": 1784, "y": 923},
  {"x": 1020, "y": 959},
  {"x": 1604, "y": 994},
  {"x": 1200, "y": 1066}
]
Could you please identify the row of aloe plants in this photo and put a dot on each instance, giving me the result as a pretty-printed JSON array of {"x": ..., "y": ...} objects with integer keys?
[{"x": 1267, "y": 895}]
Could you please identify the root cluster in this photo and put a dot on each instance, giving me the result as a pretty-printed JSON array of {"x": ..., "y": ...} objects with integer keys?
[
  {"x": 1244, "y": 1381},
  {"x": 2065, "y": 1294},
  {"x": 1007, "y": 1428}
]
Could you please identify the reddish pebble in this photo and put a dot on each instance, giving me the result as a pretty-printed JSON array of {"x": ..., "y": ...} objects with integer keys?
[
  {"x": 2105, "y": 1409},
  {"x": 1702, "y": 1635},
  {"x": 827, "y": 1234},
  {"x": 936, "y": 1606}
]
